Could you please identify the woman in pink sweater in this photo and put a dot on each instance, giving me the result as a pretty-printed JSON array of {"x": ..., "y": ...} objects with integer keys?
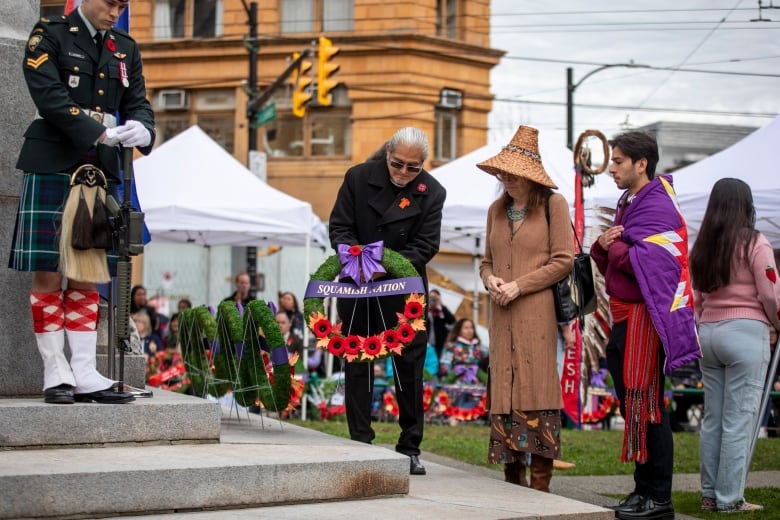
[{"x": 737, "y": 299}]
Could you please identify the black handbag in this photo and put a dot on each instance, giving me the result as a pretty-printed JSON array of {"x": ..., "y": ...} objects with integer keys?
[{"x": 575, "y": 295}]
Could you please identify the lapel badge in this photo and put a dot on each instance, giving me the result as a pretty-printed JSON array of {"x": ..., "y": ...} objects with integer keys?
[
  {"x": 74, "y": 111},
  {"x": 422, "y": 187},
  {"x": 404, "y": 203},
  {"x": 74, "y": 29}
]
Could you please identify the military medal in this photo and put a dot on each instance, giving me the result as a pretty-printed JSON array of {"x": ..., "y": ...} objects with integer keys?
[{"x": 123, "y": 74}]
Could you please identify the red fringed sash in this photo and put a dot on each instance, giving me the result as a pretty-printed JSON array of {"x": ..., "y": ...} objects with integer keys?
[{"x": 640, "y": 375}]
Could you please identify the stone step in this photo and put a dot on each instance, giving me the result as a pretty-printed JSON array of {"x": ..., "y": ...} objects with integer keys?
[
  {"x": 164, "y": 418},
  {"x": 100, "y": 481},
  {"x": 263, "y": 462}
]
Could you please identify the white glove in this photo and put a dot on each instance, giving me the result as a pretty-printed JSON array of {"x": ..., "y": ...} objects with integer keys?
[
  {"x": 133, "y": 133},
  {"x": 112, "y": 136}
]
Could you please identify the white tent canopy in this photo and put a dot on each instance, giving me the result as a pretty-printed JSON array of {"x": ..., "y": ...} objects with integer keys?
[
  {"x": 193, "y": 191},
  {"x": 756, "y": 160}
]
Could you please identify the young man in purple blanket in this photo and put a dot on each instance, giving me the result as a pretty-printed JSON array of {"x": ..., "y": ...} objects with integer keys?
[{"x": 644, "y": 259}]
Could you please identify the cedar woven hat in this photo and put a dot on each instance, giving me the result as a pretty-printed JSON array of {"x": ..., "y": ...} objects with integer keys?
[{"x": 520, "y": 158}]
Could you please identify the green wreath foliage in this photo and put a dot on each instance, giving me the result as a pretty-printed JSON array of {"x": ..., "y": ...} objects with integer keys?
[
  {"x": 252, "y": 377},
  {"x": 229, "y": 329},
  {"x": 195, "y": 325},
  {"x": 394, "y": 263},
  {"x": 247, "y": 377}
]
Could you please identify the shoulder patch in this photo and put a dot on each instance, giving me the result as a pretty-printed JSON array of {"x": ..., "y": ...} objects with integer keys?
[{"x": 33, "y": 42}]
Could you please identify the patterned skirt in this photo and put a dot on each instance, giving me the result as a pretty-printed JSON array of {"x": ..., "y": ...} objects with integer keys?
[
  {"x": 35, "y": 244},
  {"x": 514, "y": 435}
]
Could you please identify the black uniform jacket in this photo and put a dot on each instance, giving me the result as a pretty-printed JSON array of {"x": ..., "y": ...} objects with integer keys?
[
  {"x": 64, "y": 74},
  {"x": 369, "y": 208}
]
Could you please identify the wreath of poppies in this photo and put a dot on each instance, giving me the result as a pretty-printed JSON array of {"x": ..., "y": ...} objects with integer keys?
[{"x": 378, "y": 346}]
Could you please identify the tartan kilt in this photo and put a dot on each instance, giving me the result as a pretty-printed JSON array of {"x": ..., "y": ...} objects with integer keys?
[{"x": 35, "y": 243}]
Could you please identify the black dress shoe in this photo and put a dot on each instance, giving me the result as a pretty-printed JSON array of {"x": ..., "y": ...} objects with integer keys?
[
  {"x": 647, "y": 509},
  {"x": 415, "y": 466},
  {"x": 107, "y": 396},
  {"x": 629, "y": 502},
  {"x": 60, "y": 394}
]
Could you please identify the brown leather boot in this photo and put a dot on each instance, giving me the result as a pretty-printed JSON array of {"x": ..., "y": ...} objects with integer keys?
[
  {"x": 514, "y": 473},
  {"x": 541, "y": 473}
]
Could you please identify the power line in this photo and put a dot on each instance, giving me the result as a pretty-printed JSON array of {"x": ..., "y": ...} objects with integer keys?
[
  {"x": 642, "y": 109},
  {"x": 690, "y": 54}
]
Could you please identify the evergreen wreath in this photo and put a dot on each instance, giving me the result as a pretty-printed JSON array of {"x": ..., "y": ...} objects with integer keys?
[
  {"x": 226, "y": 335},
  {"x": 377, "y": 346}
]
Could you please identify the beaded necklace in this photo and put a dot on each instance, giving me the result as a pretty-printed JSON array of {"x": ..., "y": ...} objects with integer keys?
[{"x": 516, "y": 215}]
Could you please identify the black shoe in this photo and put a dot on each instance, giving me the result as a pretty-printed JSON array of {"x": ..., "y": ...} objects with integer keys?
[
  {"x": 60, "y": 394},
  {"x": 107, "y": 396},
  {"x": 629, "y": 501},
  {"x": 415, "y": 466},
  {"x": 647, "y": 509}
]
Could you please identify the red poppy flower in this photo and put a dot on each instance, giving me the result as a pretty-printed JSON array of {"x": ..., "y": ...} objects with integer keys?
[
  {"x": 406, "y": 333},
  {"x": 422, "y": 187},
  {"x": 372, "y": 346},
  {"x": 390, "y": 338},
  {"x": 352, "y": 345},
  {"x": 337, "y": 345},
  {"x": 110, "y": 45},
  {"x": 355, "y": 250},
  {"x": 413, "y": 310},
  {"x": 322, "y": 328}
]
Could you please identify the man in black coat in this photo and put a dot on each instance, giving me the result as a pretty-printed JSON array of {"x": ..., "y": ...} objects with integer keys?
[
  {"x": 86, "y": 80},
  {"x": 395, "y": 200}
]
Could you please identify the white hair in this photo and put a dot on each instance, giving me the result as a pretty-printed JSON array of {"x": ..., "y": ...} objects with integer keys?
[{"x": 412, "y": 137}]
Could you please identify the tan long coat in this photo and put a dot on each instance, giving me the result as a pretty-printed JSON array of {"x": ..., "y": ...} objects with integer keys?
[{"x": 523, "y": 335}]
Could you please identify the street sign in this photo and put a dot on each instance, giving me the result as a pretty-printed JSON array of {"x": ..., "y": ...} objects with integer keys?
[{"x": 266, "y": 114}]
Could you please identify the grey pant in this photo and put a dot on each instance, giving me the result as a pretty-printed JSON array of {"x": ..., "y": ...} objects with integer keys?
[{"x": 736, "y": 356}]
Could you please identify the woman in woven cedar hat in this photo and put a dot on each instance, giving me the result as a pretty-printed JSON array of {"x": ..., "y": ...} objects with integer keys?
[{"x": 528, "y": 248}]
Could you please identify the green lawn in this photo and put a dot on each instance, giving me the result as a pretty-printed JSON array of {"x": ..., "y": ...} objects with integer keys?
[{"x": 594, "y": 452}]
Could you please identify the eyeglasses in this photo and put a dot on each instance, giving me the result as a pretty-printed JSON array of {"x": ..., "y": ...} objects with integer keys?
[{"x": 411, "y": 168}]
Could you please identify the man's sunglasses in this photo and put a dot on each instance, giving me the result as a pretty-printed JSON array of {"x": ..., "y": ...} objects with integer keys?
[{"x": 409, "y": 167}]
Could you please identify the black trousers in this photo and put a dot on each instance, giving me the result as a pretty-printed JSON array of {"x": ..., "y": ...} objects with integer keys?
[{"x": 654, "y": 477}]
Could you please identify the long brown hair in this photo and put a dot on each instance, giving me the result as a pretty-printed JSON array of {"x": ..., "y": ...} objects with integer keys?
[{"x": 728, "y": 224}]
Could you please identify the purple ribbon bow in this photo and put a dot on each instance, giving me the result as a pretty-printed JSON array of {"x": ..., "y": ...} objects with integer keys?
[
  {"x": 467, "y": 373},
  {"x": 369, "y": 260}
]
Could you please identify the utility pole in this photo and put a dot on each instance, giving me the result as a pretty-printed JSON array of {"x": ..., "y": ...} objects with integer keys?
[{"x": 252, "y": 45}]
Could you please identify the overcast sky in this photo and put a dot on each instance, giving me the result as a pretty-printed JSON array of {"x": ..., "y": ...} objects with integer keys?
[{"x": 543, "y": 38}]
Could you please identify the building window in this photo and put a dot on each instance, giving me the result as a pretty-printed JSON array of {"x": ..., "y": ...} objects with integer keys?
[
  {"x": 187, "y": 19},
  {"x": 446, "y": 18},
  {"x": 213, "y": 110},
  {"x": 52, "y": 8},
  {"x": 308, "y": 16},
  {"x": 446, "y": 133},
  {"x": 322, "y": 132}
]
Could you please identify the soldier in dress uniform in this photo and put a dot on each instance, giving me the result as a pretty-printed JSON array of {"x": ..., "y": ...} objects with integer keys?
[{"x": 82, "y": 73}]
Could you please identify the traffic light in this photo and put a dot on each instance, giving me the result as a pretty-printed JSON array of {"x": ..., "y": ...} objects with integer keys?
[
  {"x": 324, "y": 69},
  {"x": 300, "y": 80}
]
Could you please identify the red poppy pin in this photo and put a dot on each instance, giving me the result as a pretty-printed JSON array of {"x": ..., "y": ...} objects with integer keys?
[
  {"x": 110, "y": 45},
  {"x": 422, "y": 187},
  {"x": 771, "y": 273},
  {"x": 404, "y": 203}
]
